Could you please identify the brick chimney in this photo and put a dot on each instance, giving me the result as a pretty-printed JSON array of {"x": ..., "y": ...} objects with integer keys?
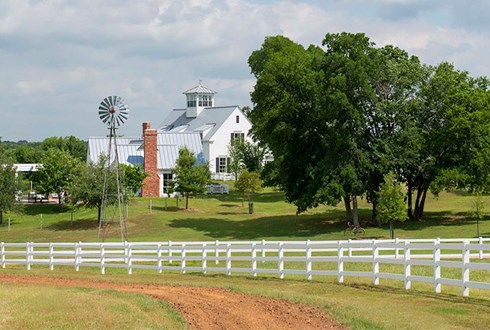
[{"x": 151, "y": 184}]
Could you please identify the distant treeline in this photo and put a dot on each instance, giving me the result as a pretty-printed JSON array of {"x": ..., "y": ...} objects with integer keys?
[{"x": 24, "y": 151}]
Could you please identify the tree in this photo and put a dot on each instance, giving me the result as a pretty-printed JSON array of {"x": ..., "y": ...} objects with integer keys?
[
  {"x": 132, "y": 177},
  {"x": 9, "y": 186},
  {"x": 88, "y": 188},
  {"x": 252, "y": 155},
  {"x": 58, "y": 172},
  {"x": 74, "y": 146},
  {"x": 189, "y": 176},
  {"x": 287, "y": 102},
  {"x": 391, "y": 204},
  {"x": 235, "y": 164},
  {"x": 249, "y": 184},
  {"x": 453, "y": 118},
  {"x": 478, "y": 210}
]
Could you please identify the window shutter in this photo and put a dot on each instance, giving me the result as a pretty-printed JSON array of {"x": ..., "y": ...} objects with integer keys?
[{"x": 217, "y": 165}]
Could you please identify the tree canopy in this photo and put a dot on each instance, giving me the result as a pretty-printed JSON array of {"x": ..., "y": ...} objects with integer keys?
[{"x": 338, "y": 118}]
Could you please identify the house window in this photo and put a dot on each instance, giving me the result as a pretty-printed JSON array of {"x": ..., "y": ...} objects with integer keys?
[
  {"x": 205, "y": 101},
  {"x": 222, "y": 164},
  {"x": 237, "y": 119},
  {"x": 167, "y": 182},
  {"x": 191, "y": 101},
  {"x": 236, "y": 135}
]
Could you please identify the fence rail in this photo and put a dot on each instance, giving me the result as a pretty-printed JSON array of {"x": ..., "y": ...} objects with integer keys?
[{"x": 306, "y": 258}]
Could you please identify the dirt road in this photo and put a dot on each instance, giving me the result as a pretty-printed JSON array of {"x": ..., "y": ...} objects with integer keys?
[{"x": 208, "y": 308}]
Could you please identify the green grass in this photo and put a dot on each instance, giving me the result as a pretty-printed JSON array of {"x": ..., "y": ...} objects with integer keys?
[
  {"x": 356, "y": 303},
  {"x": 222, "y": 217},
  {"x": 34, "y": 307}
]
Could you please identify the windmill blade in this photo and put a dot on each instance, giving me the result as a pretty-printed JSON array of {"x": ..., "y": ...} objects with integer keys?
[
  {"x": 113, "y": 111},
  {"x": 105, "y": 102}
]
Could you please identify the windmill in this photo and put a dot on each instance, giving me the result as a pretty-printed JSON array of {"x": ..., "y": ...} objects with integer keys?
[{"x": 113, "y": 112}]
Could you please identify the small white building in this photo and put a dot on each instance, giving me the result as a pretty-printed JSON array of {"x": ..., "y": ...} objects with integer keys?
[{"x": 216, "y": 125}]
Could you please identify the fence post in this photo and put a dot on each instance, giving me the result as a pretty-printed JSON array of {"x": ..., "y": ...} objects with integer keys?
[
  {"x": 375, "y": 263},
  {"x": 397, "y": 251},
  {"x": 51, "y": 258},
  {"x": 437, "y": 267},
  {"x": 129, "y": 254},
  {"x": 217, "y": 252},
  {"x": 182, "y": 258},
  {"x": 263, "y": 251},
  {"x": 2, "y": 251},
  {"x": 28, "y": 255},
  {"x": 204, "y": 258},
  {"x": 308, "y": 260},
  {"x": 406, "y": 264},
  {"x": 159, "y": 258},
  {"x": 228, "y": 259},
  {"x": 480, "y": 252},
  {"x": 170, "y": 254},
  {"x": 102, "y": 258},
  {"x": 280, "y": 261},
  {"x": 340, "y": 263},
  {"x": 254, "y": 259},
  {"x": 77, "y": 256},
  {"x": 465, "y": 270}
]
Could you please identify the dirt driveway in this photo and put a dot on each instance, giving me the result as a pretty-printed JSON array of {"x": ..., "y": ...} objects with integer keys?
[{"x": 208, "y": 308}]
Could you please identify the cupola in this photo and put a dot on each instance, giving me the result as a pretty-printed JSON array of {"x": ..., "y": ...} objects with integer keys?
[{"x": 198, "y": 98}]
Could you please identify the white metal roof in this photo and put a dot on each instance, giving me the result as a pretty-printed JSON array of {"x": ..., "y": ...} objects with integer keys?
[
  {"x": 200, "y": 89},
  {"x": 26, "y": 167},
  {"x": 210, "y": 118},
  {"x": 131, "y": 150}
]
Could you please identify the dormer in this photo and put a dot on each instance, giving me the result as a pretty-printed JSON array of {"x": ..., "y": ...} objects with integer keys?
[{"x": 198, "y": 98}]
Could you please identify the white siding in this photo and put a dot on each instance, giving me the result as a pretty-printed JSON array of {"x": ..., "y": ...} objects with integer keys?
[{"x": 222, "y": 137}]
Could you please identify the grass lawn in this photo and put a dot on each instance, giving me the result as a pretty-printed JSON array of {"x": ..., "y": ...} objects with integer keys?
[
  {"x": 222, "y": 217},
  {"x": 357, "y": 303}
]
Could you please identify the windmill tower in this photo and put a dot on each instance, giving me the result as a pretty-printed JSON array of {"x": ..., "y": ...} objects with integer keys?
[{"x": 113, "y": 112}]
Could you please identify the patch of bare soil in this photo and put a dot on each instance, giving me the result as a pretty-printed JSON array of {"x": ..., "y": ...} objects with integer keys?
[{"x": 208, "y": 308}]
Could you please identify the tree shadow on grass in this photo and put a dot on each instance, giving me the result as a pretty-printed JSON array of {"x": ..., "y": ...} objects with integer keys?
[
  {"x": 35, "y": 209},
  {"x": 420, "y": 294},
  {"x": 79, "y": 224},
  {"x": 167, "y": 209},
  {"x": 234, "y": 197},
  {"x": 300, "y": 227}
]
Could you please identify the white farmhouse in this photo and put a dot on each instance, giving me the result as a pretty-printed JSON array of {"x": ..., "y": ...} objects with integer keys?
[
  {"x": 202, "y": 127},
  {"x": 217, "y": 126}
]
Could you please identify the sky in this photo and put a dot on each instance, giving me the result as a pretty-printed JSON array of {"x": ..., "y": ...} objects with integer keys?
[{"x": 60, "y": 58}]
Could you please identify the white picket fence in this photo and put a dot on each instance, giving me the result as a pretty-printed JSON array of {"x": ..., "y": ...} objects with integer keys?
[{"x": 306, "y": 258}]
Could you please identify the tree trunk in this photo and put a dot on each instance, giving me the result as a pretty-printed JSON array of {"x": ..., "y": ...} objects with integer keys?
[
  {"x": 409, "y": 201},
  {"x": 1, "y": 217},
  {"x": 250, "y": 207},
  {"x": 374, "y": 214},
  {"x": 348, "y": 210},
  {"x": 392, "y": 230},
  {"x": 355, "y": 215},
  {"x": 416, "y": 212},
  {"x": 186, "y": 201},
  {"x": 99, "y": 213},
  {"x": 422, "y": 204}
]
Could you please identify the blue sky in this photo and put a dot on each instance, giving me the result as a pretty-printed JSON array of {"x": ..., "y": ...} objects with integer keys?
[{"x": 60, "y": 58}]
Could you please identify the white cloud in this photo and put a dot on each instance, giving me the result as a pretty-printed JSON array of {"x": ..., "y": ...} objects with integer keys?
[{"x": 60, "y": 58}]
